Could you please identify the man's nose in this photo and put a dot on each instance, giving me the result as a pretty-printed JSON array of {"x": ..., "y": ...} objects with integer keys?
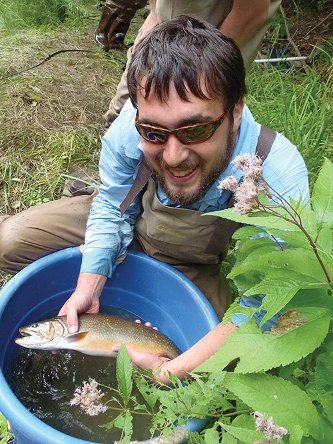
[{"x": 174, "y": 152}]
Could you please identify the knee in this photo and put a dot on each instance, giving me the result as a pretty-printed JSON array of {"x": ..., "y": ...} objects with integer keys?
[{"x": 10, "y": 247}]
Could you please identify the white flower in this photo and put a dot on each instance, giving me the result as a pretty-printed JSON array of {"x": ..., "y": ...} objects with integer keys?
[{"x": 88, "y": 398}]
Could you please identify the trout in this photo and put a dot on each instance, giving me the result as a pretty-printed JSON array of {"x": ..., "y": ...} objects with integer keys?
[{"x": 97, "y": 334}]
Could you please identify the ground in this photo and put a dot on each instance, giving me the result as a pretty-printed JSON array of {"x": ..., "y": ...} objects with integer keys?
[{"x": 51, "y": 116}]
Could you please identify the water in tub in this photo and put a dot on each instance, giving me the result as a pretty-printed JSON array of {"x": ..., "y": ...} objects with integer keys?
[{"x": 45, "y": 382}]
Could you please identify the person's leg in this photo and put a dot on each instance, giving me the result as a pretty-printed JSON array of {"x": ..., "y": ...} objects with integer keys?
[
  {"x": 41, "y": 230},
  {"x": 118, "y": 101},
  {"x": 250, "y": 49}
]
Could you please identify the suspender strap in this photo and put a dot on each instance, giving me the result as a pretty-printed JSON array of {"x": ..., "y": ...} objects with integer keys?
[
  {"x": 265, "y": 141},
  {"x": 139, "y": 183}
]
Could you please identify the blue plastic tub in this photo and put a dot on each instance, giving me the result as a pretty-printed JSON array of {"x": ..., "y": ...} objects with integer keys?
[{"x": 148, "y": 288}]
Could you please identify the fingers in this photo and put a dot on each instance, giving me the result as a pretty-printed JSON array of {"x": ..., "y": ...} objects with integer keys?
[
  {"x": 147, "y": 324},
  {"x": 72, "y": 320}
]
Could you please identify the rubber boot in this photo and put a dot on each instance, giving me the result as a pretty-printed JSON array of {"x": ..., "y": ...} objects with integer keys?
[{"x": 114, "y": 22}]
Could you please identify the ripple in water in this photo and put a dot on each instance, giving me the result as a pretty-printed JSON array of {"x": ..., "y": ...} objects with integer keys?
[{"x": 45, "y": 383}]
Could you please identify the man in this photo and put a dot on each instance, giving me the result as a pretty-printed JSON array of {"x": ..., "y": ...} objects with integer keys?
[
  {"x": 244, "y": 22},
  {"x": 188, "y": 122}
]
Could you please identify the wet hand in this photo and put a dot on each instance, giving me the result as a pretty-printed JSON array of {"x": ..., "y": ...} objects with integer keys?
[
  {"x": 145, "y": 360},
  {"x": 79, "y": 302}
]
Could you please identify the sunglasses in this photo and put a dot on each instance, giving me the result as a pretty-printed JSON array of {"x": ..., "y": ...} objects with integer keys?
[{"x": 196, "y": 133}]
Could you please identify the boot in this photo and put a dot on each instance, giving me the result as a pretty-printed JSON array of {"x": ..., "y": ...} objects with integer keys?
[{"x": 114, "y": 22}]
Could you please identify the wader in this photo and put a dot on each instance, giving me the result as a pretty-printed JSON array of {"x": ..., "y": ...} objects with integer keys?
[
  {"x": 193, "y": 243},
  {"x": 114, "y": 22}
]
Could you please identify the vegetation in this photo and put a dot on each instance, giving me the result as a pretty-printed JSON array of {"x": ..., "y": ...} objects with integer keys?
[{"x": 50, "y": 128}]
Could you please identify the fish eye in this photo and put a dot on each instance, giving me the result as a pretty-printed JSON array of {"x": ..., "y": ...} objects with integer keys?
[{"x": 34, "y": 325}]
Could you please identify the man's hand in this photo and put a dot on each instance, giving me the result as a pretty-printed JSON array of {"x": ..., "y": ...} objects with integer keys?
[
  {"x": 145, "y": 360},
  {"x": 85, "y": 299},
  {"x": 150, "y": 22}
]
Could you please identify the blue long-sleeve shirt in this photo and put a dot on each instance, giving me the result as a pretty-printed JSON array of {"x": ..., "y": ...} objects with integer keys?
[{"x": 109, "y": 233}]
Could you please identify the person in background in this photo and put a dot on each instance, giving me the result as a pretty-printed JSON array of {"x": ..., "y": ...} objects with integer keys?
[
  {"x": 245, "y": 22},
  {"x": 161, "y": 165},
  {"x": 114, "y": 22}
]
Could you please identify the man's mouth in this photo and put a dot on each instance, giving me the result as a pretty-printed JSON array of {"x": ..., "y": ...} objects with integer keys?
[{"x": 182, "y": 174}]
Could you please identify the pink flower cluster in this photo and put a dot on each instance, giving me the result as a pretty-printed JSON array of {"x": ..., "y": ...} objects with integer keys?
[
  {"x": 88, "y": 398},
  {"x": 271, "y": 431},
  {"x": 247, "y": 190}
]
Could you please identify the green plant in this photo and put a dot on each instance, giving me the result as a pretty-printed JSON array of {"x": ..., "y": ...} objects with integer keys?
[
  {"x": 284, "y": 376},
  {"x": 25, "y": 14},
  {"x": 5, "y": 435}
]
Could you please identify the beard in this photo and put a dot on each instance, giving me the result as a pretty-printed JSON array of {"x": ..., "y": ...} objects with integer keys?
[{"x": 179, "y": 194}]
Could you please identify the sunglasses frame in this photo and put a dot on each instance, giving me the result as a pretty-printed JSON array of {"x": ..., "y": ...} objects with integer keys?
[{"x": 166, "y": 132}]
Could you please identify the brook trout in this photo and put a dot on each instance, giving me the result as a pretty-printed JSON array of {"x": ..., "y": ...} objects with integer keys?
[{"x": 97, "y": 334}]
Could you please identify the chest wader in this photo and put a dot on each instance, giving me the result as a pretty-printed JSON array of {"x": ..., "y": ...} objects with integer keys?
[{"x": 193, "y": 244}]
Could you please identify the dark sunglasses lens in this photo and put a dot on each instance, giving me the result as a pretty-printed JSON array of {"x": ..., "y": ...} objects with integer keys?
[
  {"x": 151, "y": 134},
  {"x": 197, "y": 133}
]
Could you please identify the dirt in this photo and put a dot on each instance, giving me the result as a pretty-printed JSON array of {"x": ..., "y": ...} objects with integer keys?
[{"x": 310, "y": 27}]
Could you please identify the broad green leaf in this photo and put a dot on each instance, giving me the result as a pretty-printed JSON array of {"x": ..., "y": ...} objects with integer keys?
[
  {"x": 322, "y": 195},
  {"x": 211, "y": 436},
  {"x": 227, "y": 438},
  {"x": 245, "y": 435},
  {"x": 317, "y": 297},
  {"x": 257, "y": 246},
  {"x": 148, "y": 392},
  {"x": 296, "y": 434},
  {"x": 287, "y": 404},
  {"x": 325, "y": 240},
  {"x": 292, "y": 238},
  {"x": 259, "y": 351},
  {"x": 258, "y": 219},
  {"x": 124, "y": 370},
  {"x": 278, "y": 294},
  {"x": 297, "y": 260},
  {"x": 309, "y": 220},
  {"x": 235, "y": 308},
  {"x": 246, "y": 232}
]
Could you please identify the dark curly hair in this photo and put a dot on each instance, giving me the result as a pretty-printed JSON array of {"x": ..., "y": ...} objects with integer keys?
[{"x": 194, "y": 56}]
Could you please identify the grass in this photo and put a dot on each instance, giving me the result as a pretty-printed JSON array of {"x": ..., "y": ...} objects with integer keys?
[{"x": 299, "y": 106}]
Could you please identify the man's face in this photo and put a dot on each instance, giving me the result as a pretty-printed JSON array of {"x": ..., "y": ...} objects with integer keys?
[{"x": 186, "y": 172}]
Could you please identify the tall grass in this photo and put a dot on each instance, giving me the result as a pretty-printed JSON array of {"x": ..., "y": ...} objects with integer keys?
[
  {"x": 298, "y": 105},
  {"x": 22, "y": 14}
]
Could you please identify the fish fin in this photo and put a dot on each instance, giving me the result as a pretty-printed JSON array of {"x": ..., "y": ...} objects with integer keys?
[{"x": 76, "y": 336}]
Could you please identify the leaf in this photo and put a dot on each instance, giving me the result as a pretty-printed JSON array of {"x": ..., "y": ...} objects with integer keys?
[
  {"x": 149, "y": 392},
  {"x": 243, "y": 434},
  {"x": 288, "y": 405},
  {"x": 292, "y": 238},
  {"x": 235, "y": 308},
  {"x": 323, "y": 379},
  {"x": 256, "y": 218},
  {"x": 124, "y": 371},
  {"x": 211, "y": 436},
  {"x": 259, "y": 351},
  {"x": 297, "y": 260},
  {"x": 278, "y": 294},
  {"x": 317, "y": 297},
  {"x": 322, "y": 195},
  {"x": 258, "y": 246},
  {"x": 227, "y": 438},
  {"x": 325, "y": 240}
]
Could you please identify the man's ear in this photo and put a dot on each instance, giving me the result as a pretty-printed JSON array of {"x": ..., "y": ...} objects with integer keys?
[{"x": 237, "y": 114}]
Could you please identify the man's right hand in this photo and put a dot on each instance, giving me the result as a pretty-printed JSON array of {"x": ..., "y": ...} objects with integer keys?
[{"x": 85, "y": 299}]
